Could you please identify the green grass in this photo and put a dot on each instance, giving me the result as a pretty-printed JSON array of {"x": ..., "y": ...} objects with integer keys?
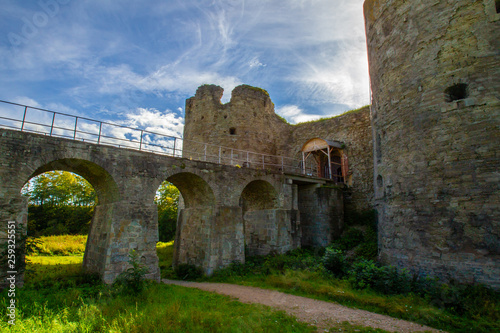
[
  {"x": 287, "y": 273},
  {"x": 160, "y": 308},
  {"x": 64, "y": 245},
  {"x": 58, "y": 293},
  {"x": 58, "y": 297},
  {"x": 165, "y": 253}
]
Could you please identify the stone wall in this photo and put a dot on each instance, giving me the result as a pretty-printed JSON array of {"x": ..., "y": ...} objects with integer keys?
[
  {"x": 354, "y": 130},
  {"x": 321, "y": 214},
  {"x": 211, "y": 228},
  {"x": 257, "y": 128},
  {"x": 435, "y": 78}
]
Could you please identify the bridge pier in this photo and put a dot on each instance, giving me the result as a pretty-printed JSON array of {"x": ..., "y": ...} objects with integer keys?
[
  {"x": 13, "y": 211},
  {"x": 118, "y": 228},
  {"x": 209, "y": 237}
]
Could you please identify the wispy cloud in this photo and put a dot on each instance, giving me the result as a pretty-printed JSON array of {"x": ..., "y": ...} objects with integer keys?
[{"x": 110, "y": 58}]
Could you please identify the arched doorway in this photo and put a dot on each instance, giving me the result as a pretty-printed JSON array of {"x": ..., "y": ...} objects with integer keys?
[{"x": 325, "y": 159}]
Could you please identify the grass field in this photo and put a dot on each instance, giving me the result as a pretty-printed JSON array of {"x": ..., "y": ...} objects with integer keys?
[{"x": 58, "y": 297}]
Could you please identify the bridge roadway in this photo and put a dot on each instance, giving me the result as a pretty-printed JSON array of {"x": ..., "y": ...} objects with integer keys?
[{"x": 223, "y": 204}]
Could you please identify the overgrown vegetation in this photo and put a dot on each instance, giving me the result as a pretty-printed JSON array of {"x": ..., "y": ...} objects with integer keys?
[
  {"x": 345, "y": 272},
  {"x": 62, "y": 245},
  {"x": 59, "y": 297}
]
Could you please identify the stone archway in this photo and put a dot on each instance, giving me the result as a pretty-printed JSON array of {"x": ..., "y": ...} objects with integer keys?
[
  {"x": 267, "y": 228},
  {"x": 96, "y": 249},
  {"x": 195, "y": 222}
]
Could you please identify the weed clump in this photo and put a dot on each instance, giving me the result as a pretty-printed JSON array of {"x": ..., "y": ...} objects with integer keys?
[{"x": 133, "y": 280}]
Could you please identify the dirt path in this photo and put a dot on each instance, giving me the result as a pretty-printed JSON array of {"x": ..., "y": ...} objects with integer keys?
[{"x": 319, "y": 313}]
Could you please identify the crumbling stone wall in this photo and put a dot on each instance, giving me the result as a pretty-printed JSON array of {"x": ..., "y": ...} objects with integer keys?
[
  {"x": 435, "y": 79},
  {"x": 257, "y": 128},
  {"x": 246, "y": 123},
  {"x": 354, "y": 130}
]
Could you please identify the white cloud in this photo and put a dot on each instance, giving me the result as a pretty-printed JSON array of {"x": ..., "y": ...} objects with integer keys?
[
  {"x": 294, "y": 115},
  {"x": 152, "y": 120}
]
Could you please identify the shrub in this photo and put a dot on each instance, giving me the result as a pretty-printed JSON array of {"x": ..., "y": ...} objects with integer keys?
[
  {"x": 334, "y": 261},
  {"x": 385, "y": 279},
  {"x": 133, "y": 279},
  {"x": 33, "y": 245},
  {"x": 350, "y": 239}
]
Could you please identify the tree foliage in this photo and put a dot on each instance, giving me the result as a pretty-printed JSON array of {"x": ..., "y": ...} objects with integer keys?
[
  {"x": 60, "y": 203},
  {"x": 167, "y": 199},
  {"x": 60, "y": 188}
]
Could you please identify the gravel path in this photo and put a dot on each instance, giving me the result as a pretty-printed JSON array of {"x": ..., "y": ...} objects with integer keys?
[{"x": 319, "y": 313}]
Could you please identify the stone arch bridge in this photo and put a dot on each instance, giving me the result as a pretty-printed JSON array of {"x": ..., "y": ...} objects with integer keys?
[{"x": 227, "y": 210}]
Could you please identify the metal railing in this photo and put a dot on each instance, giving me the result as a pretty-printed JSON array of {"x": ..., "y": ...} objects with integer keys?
[{"x": 57, "y": 124}]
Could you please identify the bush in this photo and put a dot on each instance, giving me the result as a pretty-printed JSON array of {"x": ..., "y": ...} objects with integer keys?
[
  {"x": 33, "y": 245},
  {"x": 334, "y": 261},
  {"x": 133, "y": 279},
  {"x": 350, "y": 239},
  {"x": 385, "y": 279}
]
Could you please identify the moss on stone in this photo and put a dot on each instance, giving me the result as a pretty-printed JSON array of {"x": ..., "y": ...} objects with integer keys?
[{"x": 328, "y": 118}]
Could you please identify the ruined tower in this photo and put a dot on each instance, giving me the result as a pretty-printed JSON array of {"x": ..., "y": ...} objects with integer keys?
[
  {"x": 435, "y": 80},
  {"x": 246, "y": 123}
]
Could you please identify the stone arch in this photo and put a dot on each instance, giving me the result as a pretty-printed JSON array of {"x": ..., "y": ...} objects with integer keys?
[
  {"x": 258, "y": 195},
  {"x": 194, "y": 189},
  {"x": 107, "y": 194},
  {"x": 261, "y": 218},
  {"x": 195, "y": 220},
  {"x": 102, "y": 182}
]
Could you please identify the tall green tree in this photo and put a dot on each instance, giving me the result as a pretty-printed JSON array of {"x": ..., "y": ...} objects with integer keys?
[
  {"x": 60, "y": 188},
  {"x": 60, "y": 202},
  {"x": 167, "y": 199}
]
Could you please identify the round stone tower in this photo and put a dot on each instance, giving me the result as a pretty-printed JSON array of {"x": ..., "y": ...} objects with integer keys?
[
  {"x": 246, "y": 123},
  {"x": 435, "y": 80}
]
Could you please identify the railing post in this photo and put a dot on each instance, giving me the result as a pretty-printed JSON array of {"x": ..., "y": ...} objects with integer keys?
[
  {"x": 263, "y": 162},
  {"x": 24, "y": 118},
  {"x": 53, "y": 119},
  {"x": 175, "y": 141},
  {"x": 247, "y": 159},
  {"x": 76, "y": 124},
  {"x": 282, "y": 164},
  {"x": 100, "y": 130},
  {"x": 205, "y": 152},
  {"x": 140, "y": 143},
  {"x": 231, "y": 156},
  {"x": 220, "y": 150}
]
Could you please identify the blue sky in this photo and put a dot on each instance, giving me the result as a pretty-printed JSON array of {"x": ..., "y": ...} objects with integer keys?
[{"x": 136, "y": 62}]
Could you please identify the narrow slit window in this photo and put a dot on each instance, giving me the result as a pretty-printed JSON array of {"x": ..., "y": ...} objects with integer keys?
[
  {"x": 497, "y": 6},
  {"x": 232, "y": 131}
]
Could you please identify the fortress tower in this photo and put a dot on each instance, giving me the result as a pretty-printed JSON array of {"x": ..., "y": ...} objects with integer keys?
[
  {"x": 435, "y": 80},
  {"x": 246, "y": 123}
]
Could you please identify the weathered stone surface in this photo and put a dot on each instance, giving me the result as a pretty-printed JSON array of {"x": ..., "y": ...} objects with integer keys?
[
  {"x": 436, "y": 160},
  {"x": 215, "y": 197},
  {"x": 250, "y": 113}
]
